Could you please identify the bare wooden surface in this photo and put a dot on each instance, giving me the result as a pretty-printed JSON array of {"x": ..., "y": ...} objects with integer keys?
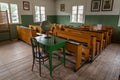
[{"x": 16, "y": 61}]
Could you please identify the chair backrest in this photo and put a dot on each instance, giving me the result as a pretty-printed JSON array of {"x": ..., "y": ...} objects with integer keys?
[{"x": 35, "y": 47}]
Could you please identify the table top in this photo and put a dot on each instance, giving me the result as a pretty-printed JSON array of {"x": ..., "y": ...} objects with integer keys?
[{"x": 52, "y": 41}]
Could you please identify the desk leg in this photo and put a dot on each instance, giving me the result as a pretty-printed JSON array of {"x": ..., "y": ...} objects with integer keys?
[
  {"x": 50, "y": 63},
  {"x": 64, "y": 60}
]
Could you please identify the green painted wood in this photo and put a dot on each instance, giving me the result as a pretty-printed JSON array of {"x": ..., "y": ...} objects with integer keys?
[
  {"x": 109, "y": 20},
  {"x": 51, "y": 44},
  {"x": 52, "y": 18},
  {"x": 65, "y": 19},
  {"x": 26, "y": 20},
  {"x": 102, "y": 19},
  {"x": 13, "y": 31},
  {"x": 4, "y": 36}
]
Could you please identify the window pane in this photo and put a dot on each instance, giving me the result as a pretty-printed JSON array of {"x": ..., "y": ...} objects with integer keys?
[
  {"x": 14, "y": 13},
  {"x": 74, "y": 8},
  {"x": 42, "y": 12},
  {"x": 74, "y": 12},
  {"x": 42, "y": 17},
  {"x": 37, "y": 14},
  {"x": 80, "y": 11},
  {"x": 37, "y": 18},
  {"x": 42, "y": 8},
  {"x": 74, "y": 18},
  {"x": 37, "y": 8},
  {"x": 80, "y": 18},
  {"x": 80, "y": 7},
  {"x": 4, "y": 7}
]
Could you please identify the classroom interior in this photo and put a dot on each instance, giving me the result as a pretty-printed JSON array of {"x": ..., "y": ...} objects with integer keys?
[{"x": 59, "y": 40}]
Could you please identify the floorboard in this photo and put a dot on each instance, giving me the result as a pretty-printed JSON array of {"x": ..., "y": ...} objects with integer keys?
[{"x": 16, "y": 61}]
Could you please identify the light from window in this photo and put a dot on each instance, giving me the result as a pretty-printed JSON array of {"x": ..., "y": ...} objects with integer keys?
[
  {"x": 12, "y": 12},
  {"x": 77, "y": 14},
  {"x": 39, "y": 13},
  {"x": 4, "y": 7},
  {"x": 74, "y": 13},
  {"x": 42, "y": 13}
]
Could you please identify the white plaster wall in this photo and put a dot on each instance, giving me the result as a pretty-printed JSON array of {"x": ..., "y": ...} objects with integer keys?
[
  {"x": 87, "y": 7},
  {"x": 53, "y": 7},
  {"x": 115, "y": 10},
  {"x": 68, "y": 6},
  {"x": 49, "y": 4}
]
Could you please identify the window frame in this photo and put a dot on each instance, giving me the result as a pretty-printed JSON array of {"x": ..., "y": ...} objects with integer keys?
[
  {"x": 9, "y": 14},
  {"x": 83, "y": 20},
  {"x": 39, "y": 13}
]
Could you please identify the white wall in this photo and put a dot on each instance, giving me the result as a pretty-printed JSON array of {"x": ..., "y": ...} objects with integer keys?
[
  {"x": 53, "y": 7},
  {"x": 115, "y": 10},
  {"x": 49, "y": 4},
  {"x": 68, "y": 6},
  {"x": 87, "y": 6}
]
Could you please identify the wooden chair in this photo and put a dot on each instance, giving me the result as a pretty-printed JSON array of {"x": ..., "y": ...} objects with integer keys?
[{"x": 38, "y": 55}]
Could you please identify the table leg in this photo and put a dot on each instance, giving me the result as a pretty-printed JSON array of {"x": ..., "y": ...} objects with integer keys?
[
  {"x": 50, "y": 63},
  {"x": 64, "y": 60}
]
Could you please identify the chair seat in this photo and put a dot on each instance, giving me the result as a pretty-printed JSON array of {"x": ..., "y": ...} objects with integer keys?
[{"x": 42, "y": 55}]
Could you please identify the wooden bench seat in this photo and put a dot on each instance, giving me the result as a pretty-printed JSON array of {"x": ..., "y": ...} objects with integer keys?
[
  {"x": 80, "y": 37},
  {"x": 99, "y": 36}
]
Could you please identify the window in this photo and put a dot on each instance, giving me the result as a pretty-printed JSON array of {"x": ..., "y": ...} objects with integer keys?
[
  {"x": 14, "y": 13},
  {"x": 77, "y": 14},
  {"x": 12, "y": 10},
  {"x": 39, "y": 13}
]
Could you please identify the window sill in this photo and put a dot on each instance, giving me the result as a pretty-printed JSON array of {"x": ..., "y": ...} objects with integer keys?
[
  {"x": 14, "y": 23},
  {"x": 9, "y": 23},
  {"x": 37, "y": 21},
  {"x": 77, "y": 22}
]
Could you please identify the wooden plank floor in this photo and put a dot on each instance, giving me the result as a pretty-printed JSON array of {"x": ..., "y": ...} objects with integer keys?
[{"x": 16, "y": 61}]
